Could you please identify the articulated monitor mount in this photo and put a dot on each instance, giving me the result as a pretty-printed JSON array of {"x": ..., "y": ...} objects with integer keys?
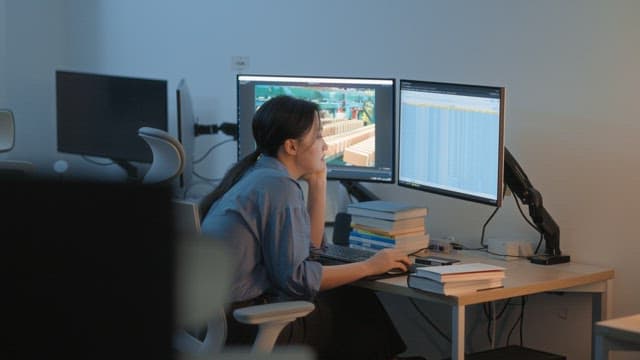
[
  {"x": 518, "y": 182},
  {"x": 227, "y": 128},
  {"x": 358, "y": 191}
]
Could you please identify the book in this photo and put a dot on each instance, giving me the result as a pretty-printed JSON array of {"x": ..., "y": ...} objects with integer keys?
[
  {"x": 388, "y": 225},
  {"x": 414, "y": 245},
  {"x": 397, "y": 232},
  {"x": 389, "y": 210},
  {"x": 461, "y": 272},
  {"x": 392, "y": 239},
  {"x": 453, "y": 288},
  {"x": 374, "y": 248}
]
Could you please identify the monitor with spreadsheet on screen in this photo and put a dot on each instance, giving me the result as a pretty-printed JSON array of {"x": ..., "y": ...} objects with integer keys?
[
  {"x": 357, "y": 117},
  {"x": 451, "y": 139}
]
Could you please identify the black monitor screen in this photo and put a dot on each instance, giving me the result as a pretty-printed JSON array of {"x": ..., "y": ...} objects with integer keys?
[
  {"x": 99, "y": 115},
  {"x": 451, "y": 139},
  {"x": 357, "y": 114}
]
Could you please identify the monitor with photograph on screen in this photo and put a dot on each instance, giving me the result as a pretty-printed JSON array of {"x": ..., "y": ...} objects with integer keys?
[
  {"x": 451, "y": 139},
  {"x": 357, "y": 115}
]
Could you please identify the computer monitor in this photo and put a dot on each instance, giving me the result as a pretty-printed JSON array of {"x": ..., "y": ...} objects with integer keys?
[
  {"x": 357, "y": 114},
  {"x": 186, "y": 120},
  {"x": 99, "y": 115},
  {"x": 89, "y": 269},
  {"x": 451, "y": 139}
]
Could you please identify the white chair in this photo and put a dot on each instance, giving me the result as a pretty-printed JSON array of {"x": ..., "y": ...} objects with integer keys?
[
  {"x": 168, "y": 155},
  {"x": 204, "y": 281},
  {"x": 7, "y": 130},
  {"x": 11, "y": 168}
]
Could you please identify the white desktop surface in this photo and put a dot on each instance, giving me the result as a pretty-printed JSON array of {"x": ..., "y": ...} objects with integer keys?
[
  {"x": 621, "y": 333},
  {"x": 522, "y": 278}
]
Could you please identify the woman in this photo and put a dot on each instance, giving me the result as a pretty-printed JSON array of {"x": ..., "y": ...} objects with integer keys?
[{"x": 259, "y": 209}]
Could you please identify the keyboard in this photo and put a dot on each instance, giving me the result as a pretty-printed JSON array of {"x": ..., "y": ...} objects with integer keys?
[{"x": 343, "y": 254}]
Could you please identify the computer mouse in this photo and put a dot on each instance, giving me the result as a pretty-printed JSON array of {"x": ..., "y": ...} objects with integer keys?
[{"x": 397, "y": 271}]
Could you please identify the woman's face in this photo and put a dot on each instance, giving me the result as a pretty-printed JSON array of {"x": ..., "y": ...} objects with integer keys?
[{"x": 310, "y": 157}]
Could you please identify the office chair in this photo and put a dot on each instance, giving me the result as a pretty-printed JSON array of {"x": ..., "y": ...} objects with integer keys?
[
  {"x": 11, "y": 168},
  {"x": 7, "y": 130},
  {"x": 204, "y": 282},
  {"x": 168, "y": 155}
]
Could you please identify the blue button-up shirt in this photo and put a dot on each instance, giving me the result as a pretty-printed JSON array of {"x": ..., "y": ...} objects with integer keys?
[{"x": 264, "y": 220}]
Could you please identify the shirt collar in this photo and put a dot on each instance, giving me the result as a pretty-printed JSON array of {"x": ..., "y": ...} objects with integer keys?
[{"x": 269, "y": 162}]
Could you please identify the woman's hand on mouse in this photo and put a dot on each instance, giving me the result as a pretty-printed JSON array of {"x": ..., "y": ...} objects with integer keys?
[{"x": 387, "y": 259}]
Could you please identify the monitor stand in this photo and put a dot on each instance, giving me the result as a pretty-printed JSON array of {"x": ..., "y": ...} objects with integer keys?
[
  {"x": 358, "y": 191},
  {"x": 132, "y": 171}
]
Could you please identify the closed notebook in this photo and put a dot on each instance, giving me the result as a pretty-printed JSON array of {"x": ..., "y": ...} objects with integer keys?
[
  {"x": 452, "y": 288},
  {"x": 461, "y": 272},
  {"x": 389, "y": 210}
]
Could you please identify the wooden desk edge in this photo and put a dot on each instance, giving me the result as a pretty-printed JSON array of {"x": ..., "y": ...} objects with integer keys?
[{"x": 399, "y": 287}]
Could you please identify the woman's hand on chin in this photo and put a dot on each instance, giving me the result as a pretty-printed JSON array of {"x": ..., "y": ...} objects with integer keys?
[{"x": 316, "y": 177}]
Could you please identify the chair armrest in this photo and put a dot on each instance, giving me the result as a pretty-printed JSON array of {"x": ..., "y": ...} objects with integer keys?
[{"x": 282, "y": 311}]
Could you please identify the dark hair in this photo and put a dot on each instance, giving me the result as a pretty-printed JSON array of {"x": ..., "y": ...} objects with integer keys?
[{"x": 280, "y": 118}]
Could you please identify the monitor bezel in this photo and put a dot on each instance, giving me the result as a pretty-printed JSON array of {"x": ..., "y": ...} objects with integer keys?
[
  {"x": 186, "y": 125},
  {"x": 457, "y": 194},
  {"x": 346, "y": 79}
]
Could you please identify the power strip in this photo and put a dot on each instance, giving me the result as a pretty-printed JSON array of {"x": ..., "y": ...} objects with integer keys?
[
  {"x": 509, "y": 249},
  {"x": 440, "y": 245}
]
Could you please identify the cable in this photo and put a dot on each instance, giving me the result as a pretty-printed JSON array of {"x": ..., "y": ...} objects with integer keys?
[
  {"x": 525, "y": 217},
  {"x": 206, "y": 179},
  {"x": 504, "y": 192},
  {"x": 531, "y": 224},
  {"x": 506, "y": 255},
  {"x": 418, "y": 251},
  {"x": 492, "y": 318},
  {"x": 429, "y": 321},
  {"x": 524, "y": 301},
  {"x": 485, "y": 226},
  {"x": 519, "y": 320},
  {"x": 494, "y": 323},
  {"x": 211, "y": 149}
]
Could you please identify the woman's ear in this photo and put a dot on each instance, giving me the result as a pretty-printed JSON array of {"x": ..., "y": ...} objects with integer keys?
[{"x": 290, "y": 146}]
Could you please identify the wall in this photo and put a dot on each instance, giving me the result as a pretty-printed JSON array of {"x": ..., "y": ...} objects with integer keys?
[
  {"x": 3, "y": 47},
  {"x": 570, "y": 69},
  {"x": 34, "y": 47}
]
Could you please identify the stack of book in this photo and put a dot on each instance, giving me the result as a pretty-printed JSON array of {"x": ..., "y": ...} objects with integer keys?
[
  {"x": 457, "y": 279},
  {"x": 379, "y": 224}
]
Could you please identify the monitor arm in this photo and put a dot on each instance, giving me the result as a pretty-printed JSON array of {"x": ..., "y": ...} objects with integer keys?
[
  {"x": 227, "y": 128},
  {"x": 518, "y": 182},
  {"x": 358, "y": 191}
]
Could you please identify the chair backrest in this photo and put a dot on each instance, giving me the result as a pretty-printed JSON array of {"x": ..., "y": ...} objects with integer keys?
[
  {"x": 208, "y": 269},
  {"x": 11, "y": 169},
  {"x": 187, "y": 216},
  {"x": 168, "y": 155},
  {"x": 7, "y": 130}
]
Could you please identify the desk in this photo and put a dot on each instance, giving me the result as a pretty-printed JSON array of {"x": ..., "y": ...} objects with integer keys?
[
  {"x": 617, "y": 334},
  {"x": 522, "y": 278}
]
